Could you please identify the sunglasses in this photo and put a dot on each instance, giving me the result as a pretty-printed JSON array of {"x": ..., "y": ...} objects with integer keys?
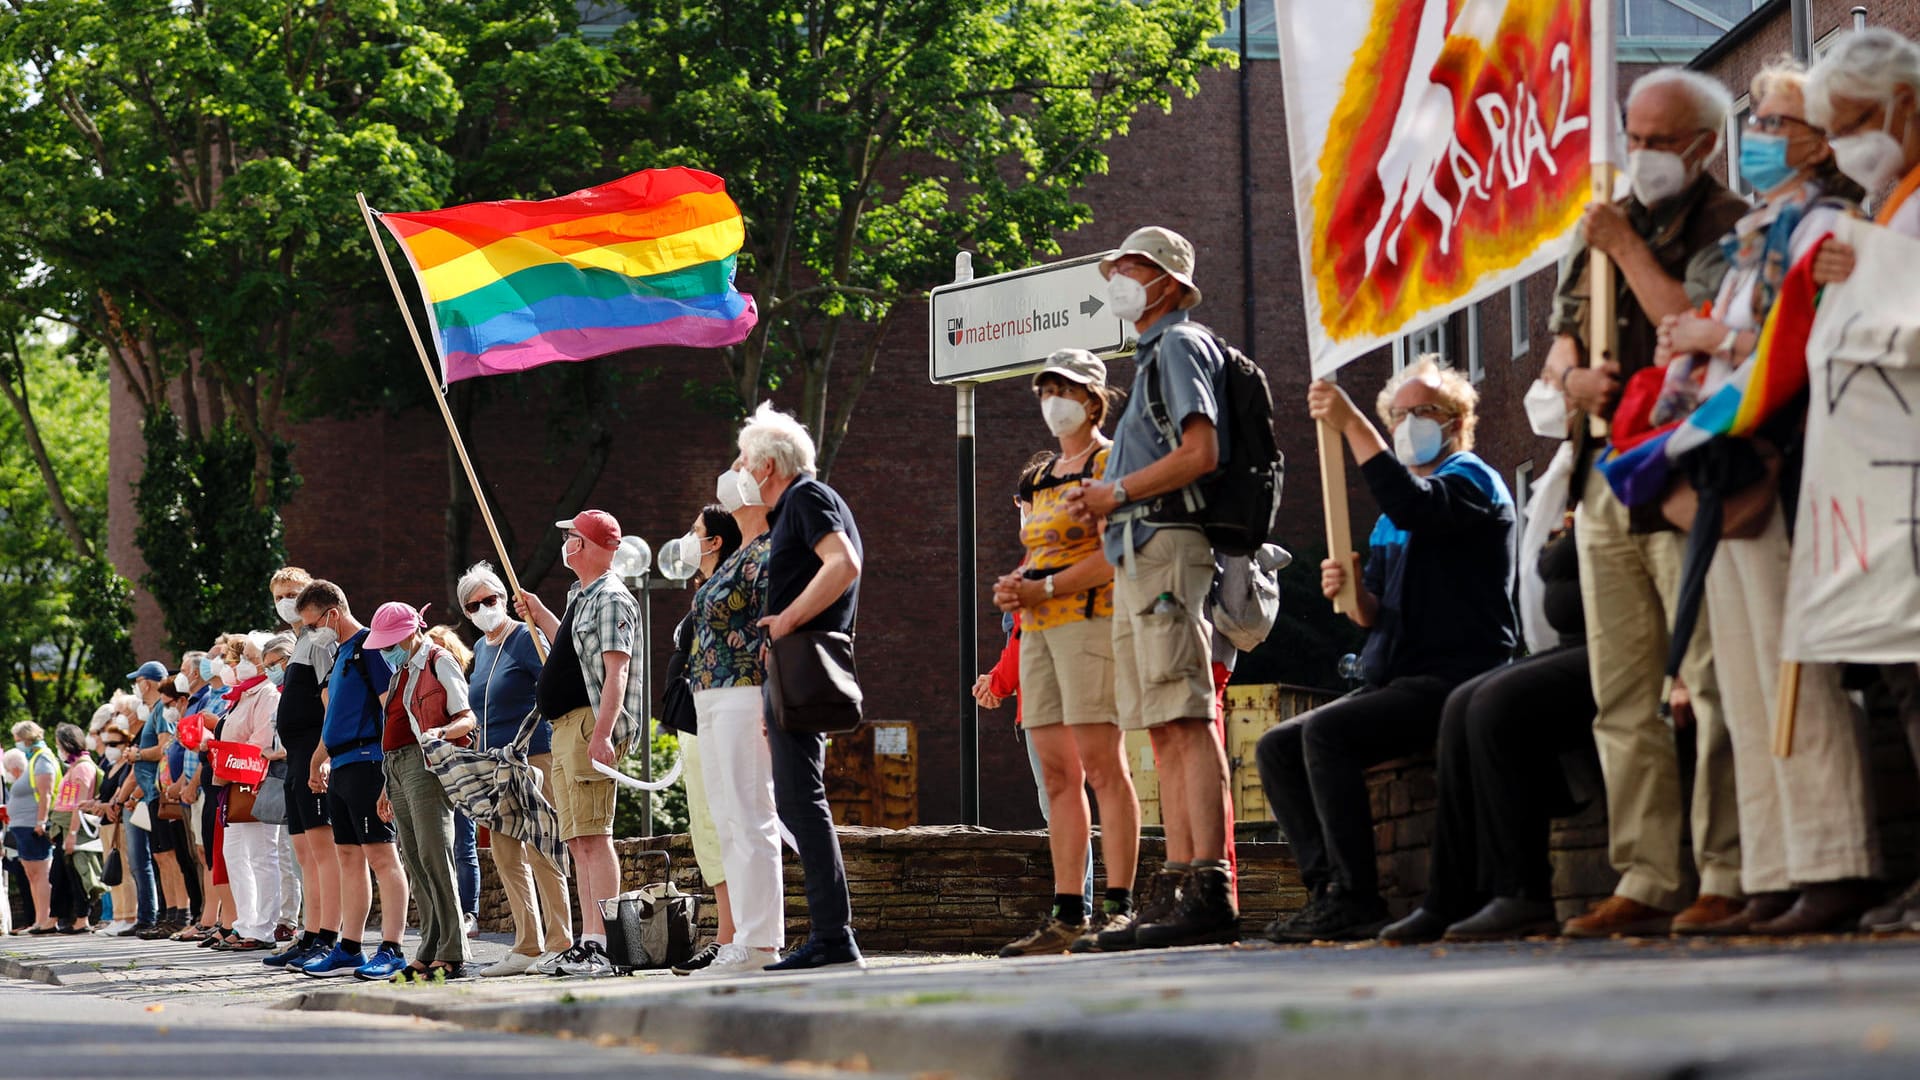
[
  {"x": 120, "y": 744},
  {"x": 473, "y": 606}
]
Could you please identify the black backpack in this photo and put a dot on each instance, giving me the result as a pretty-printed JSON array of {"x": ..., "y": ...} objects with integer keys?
[{"x": 1236, "y": 503}]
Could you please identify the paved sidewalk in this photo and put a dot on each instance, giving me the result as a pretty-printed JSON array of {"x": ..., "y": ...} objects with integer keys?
[{"x": 1824, "y": 1007}]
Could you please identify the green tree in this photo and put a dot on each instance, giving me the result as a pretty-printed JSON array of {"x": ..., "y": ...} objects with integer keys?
[
  {"x": 176, "y": 186},
  {"x": 64, "y": 637},
  {"x": 866, "y": 141}
]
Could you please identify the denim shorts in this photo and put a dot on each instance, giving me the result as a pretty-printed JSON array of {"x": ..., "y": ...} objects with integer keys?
[{"x": 33, "y": 846}]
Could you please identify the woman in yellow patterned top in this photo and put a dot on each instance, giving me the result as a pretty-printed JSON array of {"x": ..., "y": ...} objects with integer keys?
[{"x": 1064, "y": 593}]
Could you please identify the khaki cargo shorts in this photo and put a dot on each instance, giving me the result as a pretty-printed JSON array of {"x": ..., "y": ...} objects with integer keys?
[
  {"x": 1066, "y": 674},
  {"x": 1162, "y": 668},
  {"x": 582, "y": 795}
]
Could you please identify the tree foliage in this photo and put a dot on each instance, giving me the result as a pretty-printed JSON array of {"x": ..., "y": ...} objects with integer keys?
[
  {"x": 869, "y": 140},
  {"x": 63, "y": 635}
]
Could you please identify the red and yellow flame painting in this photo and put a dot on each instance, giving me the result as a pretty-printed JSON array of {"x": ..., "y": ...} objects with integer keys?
[{"x": 1408, "y": 217}]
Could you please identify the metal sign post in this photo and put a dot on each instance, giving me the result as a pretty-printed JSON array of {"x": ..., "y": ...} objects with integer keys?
[{"x": 981, "y": 329}]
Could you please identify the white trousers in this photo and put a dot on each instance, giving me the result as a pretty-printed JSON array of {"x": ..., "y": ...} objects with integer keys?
[
  {"x": 738, "y": 770},
  {"x": 253, "y": 869},
  {"x": 290, "y": 883},
  {"x": 1808, "y": 817}
]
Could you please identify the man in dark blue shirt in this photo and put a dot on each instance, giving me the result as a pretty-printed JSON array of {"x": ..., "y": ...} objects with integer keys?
[
  {"x": 347, "y": 767},
  {"x": 1436, "y": 598}
]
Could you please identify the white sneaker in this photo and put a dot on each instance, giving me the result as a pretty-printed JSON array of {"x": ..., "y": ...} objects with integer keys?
[
  {"x": 549, "y": 963},
  {"x": 471, "y": 924},
  {"x": 736, "y": 960},
  {"x": 587, "y": 961},
  {"x": 512, "y": 964}
]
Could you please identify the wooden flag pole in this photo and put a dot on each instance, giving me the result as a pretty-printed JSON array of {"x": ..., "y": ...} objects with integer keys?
[
  {"x": 446, "y": 414},
  {"x": 1786, "y": 709},
  {"x": 1602, "y": 325},
  {"x": 1333, "y": 500}
]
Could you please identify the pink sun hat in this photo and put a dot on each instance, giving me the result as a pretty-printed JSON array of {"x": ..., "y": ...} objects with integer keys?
[{"x": 393, "y": 622}]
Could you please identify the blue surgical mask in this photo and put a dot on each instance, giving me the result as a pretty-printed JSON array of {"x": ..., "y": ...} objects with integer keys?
[
  {"x": 395, "y": 656},
  {"x": 277, "y": 675},
  {"x": 1763, "y": 160},
  {"x": 206, "y": 668}
]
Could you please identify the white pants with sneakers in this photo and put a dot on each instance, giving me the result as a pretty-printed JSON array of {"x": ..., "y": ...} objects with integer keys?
[
  {"x": 738, "y": 769},
  {"x": 253, "y": 869}
]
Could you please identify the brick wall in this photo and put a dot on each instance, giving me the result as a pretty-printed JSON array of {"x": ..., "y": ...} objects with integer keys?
[{"x": 934, "y": 888}]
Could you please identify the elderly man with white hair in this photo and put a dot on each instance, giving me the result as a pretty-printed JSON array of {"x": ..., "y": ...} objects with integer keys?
[
  {"x": 1866, "y": 93},
  {"x": 813, "y": 585},
  {"x": 1664, "y": 239}
]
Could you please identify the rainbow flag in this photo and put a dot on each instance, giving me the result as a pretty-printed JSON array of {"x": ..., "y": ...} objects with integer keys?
[
  {"x": 1775, "y": 374},
  {"x": 645, "y": 260}
]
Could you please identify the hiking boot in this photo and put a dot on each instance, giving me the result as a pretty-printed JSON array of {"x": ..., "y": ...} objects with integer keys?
[
  {"x": 1089, "y": 942},
  {"x": 1052, "y": 939},
  {"x": 1163, "y": 892},
  {"x": 1282, "y": 924},
  {"x": 1620, "y": 916},
  {"x": 1204, "y": 915},
  {"x": 1339, "y": 916}
]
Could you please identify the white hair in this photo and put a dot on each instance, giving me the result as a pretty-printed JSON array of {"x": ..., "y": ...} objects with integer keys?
[
  {"x": 772, "y": 435},
  {"x": 1865, "y": 64},
  {"x": 280, "y": 643},
  {"x": 102, "y": 716},
  {"x": 13, "y": 761},
  {"x": 480, "y": 573},
  {"x": 1711, "y": 101}
]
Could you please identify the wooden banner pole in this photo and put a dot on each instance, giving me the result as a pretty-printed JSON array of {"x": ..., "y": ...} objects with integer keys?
[
  {"x": 1333, "y": 500},
  {"x": 1602, "y": 107},
  {"x": 1786, "y": 709},
  {"x": 446, "y": 414}
]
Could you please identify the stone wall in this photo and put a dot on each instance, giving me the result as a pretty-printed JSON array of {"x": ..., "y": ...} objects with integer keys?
[{"x": 947, "y": 889}]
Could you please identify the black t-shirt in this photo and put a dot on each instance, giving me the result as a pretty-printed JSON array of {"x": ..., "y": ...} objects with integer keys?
[
  {"x": 563, "y": 686},
  {"x": 807, "y": 511},
  {"x": 301, "y": 713}
]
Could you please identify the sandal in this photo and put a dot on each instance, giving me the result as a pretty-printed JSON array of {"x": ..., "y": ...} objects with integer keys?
[{"x": 191, "y": 933}]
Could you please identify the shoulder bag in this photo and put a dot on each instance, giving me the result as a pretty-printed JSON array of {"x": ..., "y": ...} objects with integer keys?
[
  {"x": 676, "y": 700},
  {"x": 814, "y": 687}
]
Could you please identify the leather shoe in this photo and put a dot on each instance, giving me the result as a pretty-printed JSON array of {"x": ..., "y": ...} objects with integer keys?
[
  {"x": 1900, "y": 913},
  {"x": 1620, "y": 916},
  {"x": 1822, "y": 908},
  {"x": 1760, "y": 907},
  {"x": 1418, "y": 928},
  {"x": 1506, "y": 917},
  {"x": 1705, "y": 913}
]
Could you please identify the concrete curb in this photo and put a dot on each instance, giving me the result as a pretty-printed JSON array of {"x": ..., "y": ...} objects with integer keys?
[{"x": 956, "y": 1041}]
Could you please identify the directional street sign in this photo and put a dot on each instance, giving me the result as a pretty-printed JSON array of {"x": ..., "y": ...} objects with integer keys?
[{"x": 993, "y": 327}]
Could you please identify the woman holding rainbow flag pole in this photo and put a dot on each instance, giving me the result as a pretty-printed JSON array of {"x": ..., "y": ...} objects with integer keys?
[{"x": 1809, "y": 845}]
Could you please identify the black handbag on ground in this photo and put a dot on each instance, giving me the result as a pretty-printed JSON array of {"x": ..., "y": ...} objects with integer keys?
[
  {"x": 814, "y": 687},
  {"x": 676, "y": 698}
]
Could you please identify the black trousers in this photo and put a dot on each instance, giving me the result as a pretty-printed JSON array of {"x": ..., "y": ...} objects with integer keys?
[
  {"x": 1313, "y": 769},
  {"x": 69, "y": 898},
  {"x": 800, "y": 799},
  {"x": 1505, "y": 741}
]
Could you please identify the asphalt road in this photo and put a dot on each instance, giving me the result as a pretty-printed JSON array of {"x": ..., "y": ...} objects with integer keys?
[{"x": 62, "y": 1034}]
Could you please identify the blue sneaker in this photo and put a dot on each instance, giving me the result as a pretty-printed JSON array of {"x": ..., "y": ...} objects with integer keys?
[
  {"x": 335, "y": 963},
  {"x": 816, "y": 953},
  {"x": 386, "y": 963},
  {"x": 292, "y": 956}
]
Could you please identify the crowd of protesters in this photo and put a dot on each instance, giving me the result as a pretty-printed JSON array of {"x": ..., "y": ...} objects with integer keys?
[{"x": 1118, "y": 623}]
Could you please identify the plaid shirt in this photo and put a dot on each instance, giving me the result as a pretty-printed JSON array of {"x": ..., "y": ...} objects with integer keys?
[{"x": 606, "y": 619}]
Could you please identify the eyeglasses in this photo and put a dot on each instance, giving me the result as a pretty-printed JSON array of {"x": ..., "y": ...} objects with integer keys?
[
  {"x": 1772, "y": 125},
  {"x": 1436, "y": 413},
  {"x": 473, "y": 606}
]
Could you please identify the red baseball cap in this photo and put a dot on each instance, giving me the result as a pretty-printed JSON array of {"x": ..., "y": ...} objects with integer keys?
[{"x": 597, "y": 526}]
